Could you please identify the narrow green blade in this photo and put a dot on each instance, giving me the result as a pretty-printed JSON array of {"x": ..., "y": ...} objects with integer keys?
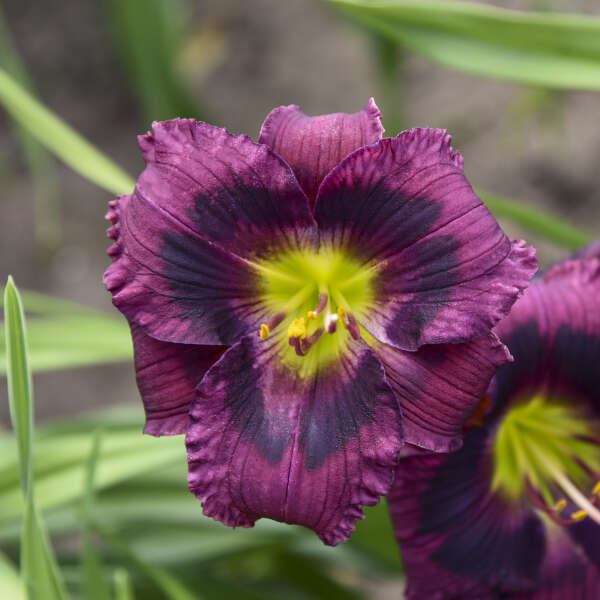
[
  {"x": 554, "y": 50},
  {"x": 11, "y": 585},
  {"x": 38, "y": 565},
  {"x": 19, "y": 382},
  {"x": 65, "y": 334},
  {"x": 95, "y": 583},
  {"x": 61, "y": 139},
  {"x": 123, "y": 590},
  {"x": 536, "y": 221}
]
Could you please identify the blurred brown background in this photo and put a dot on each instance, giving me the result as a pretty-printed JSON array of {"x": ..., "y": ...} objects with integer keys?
[{"x": 240, "y": 59}]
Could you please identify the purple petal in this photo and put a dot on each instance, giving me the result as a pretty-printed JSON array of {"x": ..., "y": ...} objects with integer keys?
[
  {"x": 312, "y": 146},
  {"x": 458, "y": 540},
  {"x": 167, "y": 375},
  {"x": 590, "y": 251},
  {"x": 225, "y": 189},
  {"x": 439, "y": 386},
  {"x": 446, "y": 272},
  {"x": 173, "y": 283},
  {"x": 566, "y": 574},
  {"x": 264, "y": 442}
]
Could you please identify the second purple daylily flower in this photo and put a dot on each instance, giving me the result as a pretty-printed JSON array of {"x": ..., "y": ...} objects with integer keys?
[{"x": 304, "y": 306}]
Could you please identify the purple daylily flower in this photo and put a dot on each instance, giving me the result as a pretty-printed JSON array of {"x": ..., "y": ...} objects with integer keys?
[
  {"x": 304, "y": 305},
  {"x": 514, "y": 514}
]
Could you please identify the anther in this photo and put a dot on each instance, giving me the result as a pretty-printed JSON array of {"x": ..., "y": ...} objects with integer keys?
[
  {"x": 579, "y": 515},
  {"x": 596, "y": 490},
  {"x": 264, "y": 332},
  {"x": 559, "y": 506},
  {"x": 297, "y": 328},
  {"x": 311, "y": 314},
  {"x": 342, "y": 317}
]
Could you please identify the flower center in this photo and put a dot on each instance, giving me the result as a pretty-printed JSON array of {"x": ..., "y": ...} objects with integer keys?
[
  {"x": 551, "y": 452},
  {"x": 312, "y": 297}
]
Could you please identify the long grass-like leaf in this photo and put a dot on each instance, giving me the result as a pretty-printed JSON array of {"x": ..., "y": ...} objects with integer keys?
[
  {"x": 38, "y": 565},
  {"x": 19, "y": 382},
  {"x": 11, "y": 585},
  {"x": 148, "y": 35},
  {"x": 95, "y": 583},
  {"x": 543, "y": 49},
  {"x": 536, "y": 221},
  {"x": 47, "y": 221},
  {"x": 123, "y": 589},
  {"x": 61, "y": 139},
  {"x": 63, "y": 334},
  {"x": 169, "y": 585}
]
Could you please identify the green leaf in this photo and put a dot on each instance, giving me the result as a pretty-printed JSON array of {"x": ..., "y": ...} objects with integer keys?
[
  {"x": 76, "y": 341},
  {"x": 171, "y": 588},
  {"x": 60, "y": 467},
  {"x": 123, "y": 589},
  {"x": 11, "y": 585},
  {"x": 542, "y": 49},
  {"x": 19, "y": 382},
  {"x": 148, "y": 35},
  {"x": 63, "y": 334},
  {"x": 95, "y": 583},
  {"x": 536, "y": 221},
  {"x": 46, "y": 208},
  {"x": 61, "y": 139},
  {"x": 374, "y": 536},
  {"x": 38, "y": 565}
]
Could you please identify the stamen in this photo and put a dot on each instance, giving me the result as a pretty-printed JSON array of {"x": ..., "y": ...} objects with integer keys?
[
  {"x": 276, "y": 320},
  {"x": 312, "y": 315},
  {"x": 353, "y": 327},
  {"x": 579, "y": 515},
  {"x": 311, "y": 339},
  {"x": 559, "y": 506},
  {"x": 596, "y": 490},
  {"x": 538, "y": 501},
  {"x": 264, "y": 332},
  {"x": 295, "y": 343},
  {"x": 323, "y": 299},
  {"x": 297, "y": 328},
  {"x": 342, "y": 317},
  {"x": 576, "y": 496}
]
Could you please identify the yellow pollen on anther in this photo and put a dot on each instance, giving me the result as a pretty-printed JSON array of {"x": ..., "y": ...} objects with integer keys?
[
  {"x": 342, "y": 314},
  {"x": 560, "y": 506},
  {"x": 579, "y": 515},
  {"x": 311, "y": 314},
  {"x": 264, "y": 332},
  {"x": 596, "y": 489},
  {"x": 297, "y": 328}
]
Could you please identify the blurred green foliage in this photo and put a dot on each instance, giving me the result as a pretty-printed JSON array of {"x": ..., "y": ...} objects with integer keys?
[
  {"x": 542, "y": 49},
  {"x": 148, "y": 37}
]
